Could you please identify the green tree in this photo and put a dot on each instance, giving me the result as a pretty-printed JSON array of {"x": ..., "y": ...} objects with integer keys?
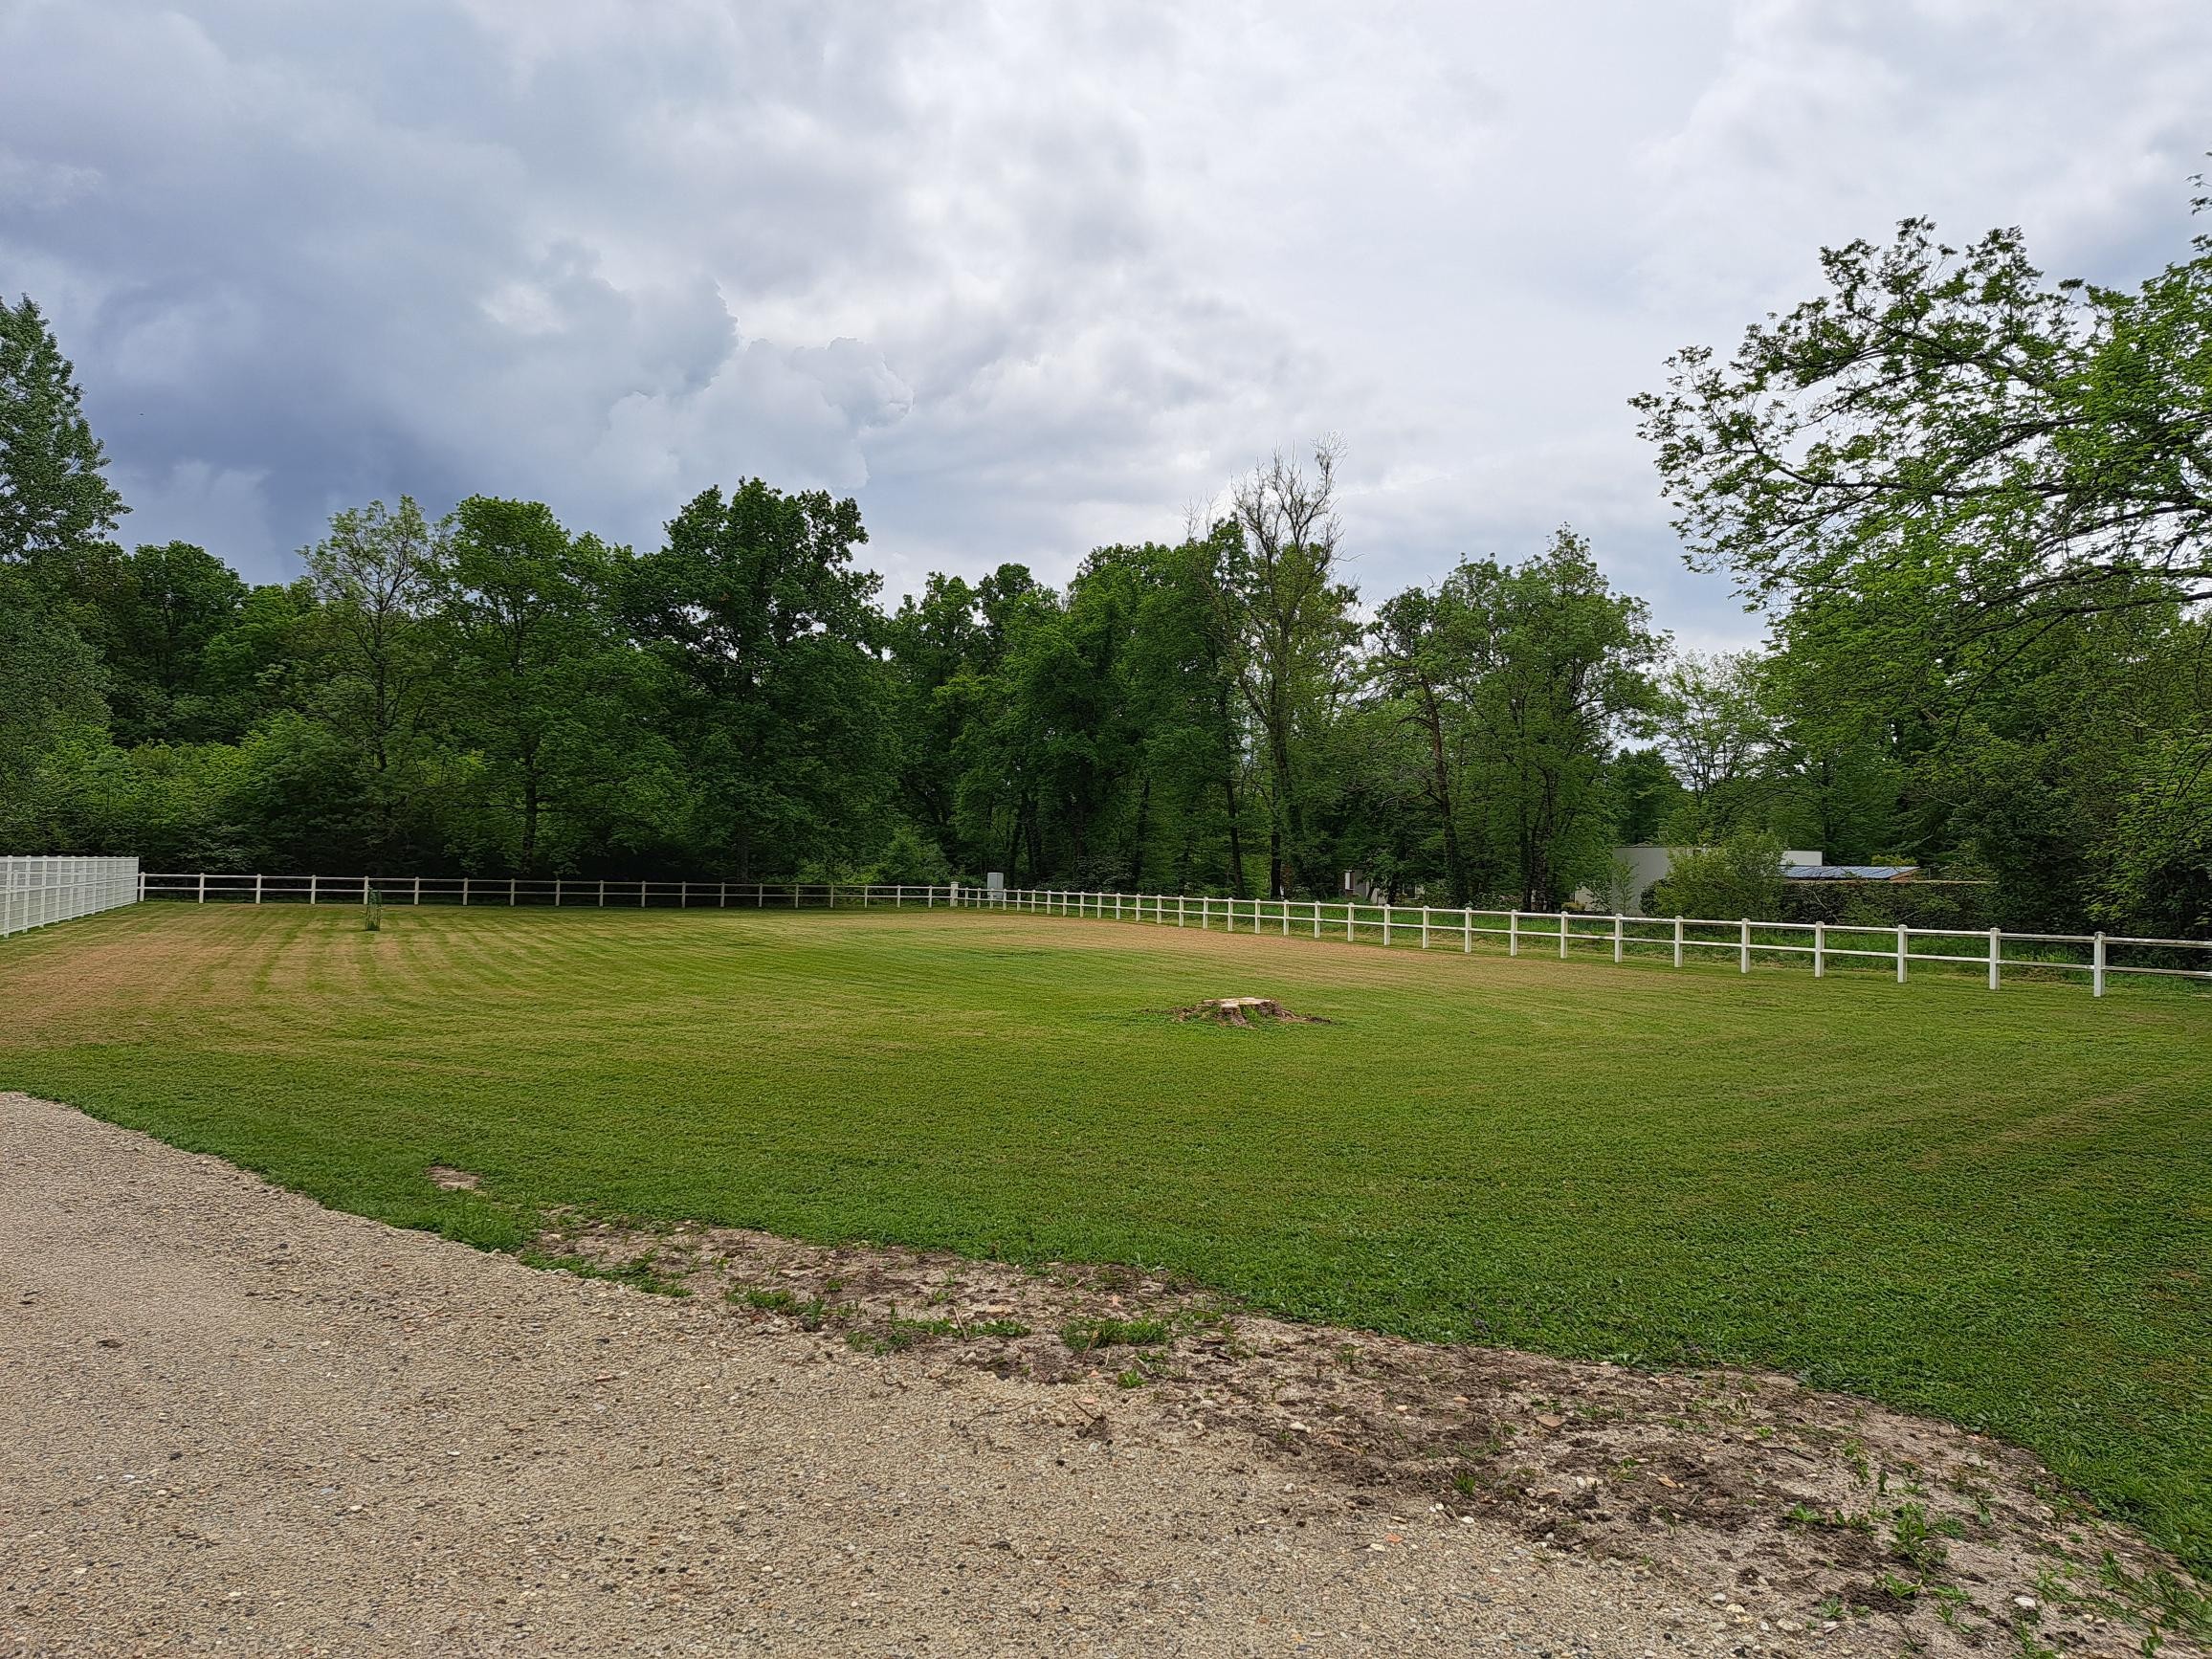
[
  {"x": 373, "y": 671},
  {"x": 775, "y": 699},
  {"x": 55, "y": 497},
  {"x": 1947, "y": 429},
  {"x": 1424, "y": 648},
  {"x": 49, "y": 693},
  {"x": 156, "y": 614},
  {"x": 1718, "y": 737},
  {"x": 526, "y": 610},
  {"x": 1557, "y": 670},
  {"x": 1287, "y": 631}
]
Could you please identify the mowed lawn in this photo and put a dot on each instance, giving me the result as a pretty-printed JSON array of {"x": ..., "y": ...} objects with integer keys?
[{"x": 1995, "y": 1207}]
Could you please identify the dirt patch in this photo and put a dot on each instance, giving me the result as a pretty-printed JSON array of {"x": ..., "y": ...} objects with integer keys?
[
  {"x": 1824, "y": 1513},
  {"x": 450, "y": 1180},
  {"x": 1243, "y": 1011}
]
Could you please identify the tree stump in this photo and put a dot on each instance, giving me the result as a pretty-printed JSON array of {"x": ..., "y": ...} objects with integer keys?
[{"x": 1242, "y": 1011}]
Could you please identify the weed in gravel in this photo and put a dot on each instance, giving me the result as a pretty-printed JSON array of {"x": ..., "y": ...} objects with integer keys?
[
  {"x": 1912, "y": 1541},
  {"x": 1082, "y": 1336},
  {"x": 902, "y": 1335},
  {"x": 641, "y": 1273},
  {"x": 2160, "y": 1596}
]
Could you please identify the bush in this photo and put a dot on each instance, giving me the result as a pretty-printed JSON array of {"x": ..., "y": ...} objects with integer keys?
[
  {"x": 912, "y": 859},
  {"x": 1742, "y": 878}
]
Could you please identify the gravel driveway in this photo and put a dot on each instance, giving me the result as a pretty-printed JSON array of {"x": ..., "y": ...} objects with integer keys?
[{"x": 232, "y": 1420}]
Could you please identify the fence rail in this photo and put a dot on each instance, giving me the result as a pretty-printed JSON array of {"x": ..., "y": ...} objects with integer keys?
[
  {"x": 1678, "y": 940},
  {"x": 37, "y": 892}
]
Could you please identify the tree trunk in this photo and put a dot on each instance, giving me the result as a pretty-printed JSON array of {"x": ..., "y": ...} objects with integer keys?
[
  {"x": 1143, "y": 824},
  {"x": 1236, "y": 883}
]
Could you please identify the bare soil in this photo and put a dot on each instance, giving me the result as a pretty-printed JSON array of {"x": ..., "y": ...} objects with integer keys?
[
  {"x": 232, "y": 1420},
  {"x": 1799, "y": 1512}
]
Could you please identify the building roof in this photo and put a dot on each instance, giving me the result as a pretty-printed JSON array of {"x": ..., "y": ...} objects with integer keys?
[{"x": 1848, "y": 872}]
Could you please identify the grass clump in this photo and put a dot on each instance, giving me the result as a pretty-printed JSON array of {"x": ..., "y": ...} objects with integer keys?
[{"x": 1085, "y": 1334}]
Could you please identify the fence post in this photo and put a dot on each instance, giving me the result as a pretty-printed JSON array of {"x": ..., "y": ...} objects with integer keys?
[
  {"x": 1678, "y": 941},
  {"x": 1467, "y": 932},
  {"x": 1513, "y": 933},
  {"x": 1179, "y": 909},
  {"x": 257, "y": 890},
  {"x": 464, "y": 893},
  {"x": 723, "y": 899},
  {"x": 1995, "y": 956},
  {"x": 1900, "y": 955},
  {"x": 603, "y": 896},
  {"x": 1348, "y": 923},
  {"x": 1286, "y": 905},
  {"x": 1616, "y": 939},
  {"x": 1425, "y": 927},
  {"x": 1820, "y": 950},
  {"x": 2097, "y": 966},
  {"x": 203, "y": 887},
  {"x": 557, "y": 892},
  {"x": 1563, "y": 936},
  {"x": 1744, "y": 965},
  {"x": 418, "y": 892},
  {"x": 510, "y": 893},
  {"x": 1385, "y": 924},
  {"x": 311, "y": 882}
]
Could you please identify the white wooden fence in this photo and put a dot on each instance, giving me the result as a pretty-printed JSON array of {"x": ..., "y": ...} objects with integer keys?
[
  {"x": 1677, "y": 939},
  {"x": 34, "y": 892}
]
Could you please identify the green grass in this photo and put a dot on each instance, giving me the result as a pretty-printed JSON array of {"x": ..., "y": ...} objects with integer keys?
[{"x": 1995, "y": 1207}]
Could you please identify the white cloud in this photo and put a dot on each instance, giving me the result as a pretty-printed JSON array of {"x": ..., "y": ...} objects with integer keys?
[{"x": 1021, "y": 277}]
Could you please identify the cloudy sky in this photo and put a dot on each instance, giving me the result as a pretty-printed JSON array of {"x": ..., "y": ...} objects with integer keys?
[{"x": 1023, "y": 277}]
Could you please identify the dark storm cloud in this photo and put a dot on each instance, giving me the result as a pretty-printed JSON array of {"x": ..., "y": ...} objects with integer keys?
[{"x": 1023, "y": 279}]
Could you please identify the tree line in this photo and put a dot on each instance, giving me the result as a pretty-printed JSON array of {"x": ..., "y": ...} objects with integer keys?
[{"x": 1973, "y": 505}]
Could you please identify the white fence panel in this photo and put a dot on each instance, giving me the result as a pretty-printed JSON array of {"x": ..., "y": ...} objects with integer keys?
[
  {"x": 1828, "y": 945},
  {"x": 36, "y": 892}
]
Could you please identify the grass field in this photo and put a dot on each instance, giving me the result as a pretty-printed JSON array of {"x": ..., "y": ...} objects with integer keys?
[{"x": 1993, "y": 1208}]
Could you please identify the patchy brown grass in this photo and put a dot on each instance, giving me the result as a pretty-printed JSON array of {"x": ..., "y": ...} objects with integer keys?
[{"x": 1844, "y": 1509}]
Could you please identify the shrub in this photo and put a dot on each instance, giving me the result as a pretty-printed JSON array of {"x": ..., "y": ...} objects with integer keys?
[{"x": 1739, "y": 878}]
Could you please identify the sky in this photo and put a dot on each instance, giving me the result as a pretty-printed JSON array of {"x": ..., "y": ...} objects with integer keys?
[{"x": 1023, "y": 279}]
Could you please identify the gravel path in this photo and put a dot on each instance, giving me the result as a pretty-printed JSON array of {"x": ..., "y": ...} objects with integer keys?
[{"x": 232, "y": 1420}]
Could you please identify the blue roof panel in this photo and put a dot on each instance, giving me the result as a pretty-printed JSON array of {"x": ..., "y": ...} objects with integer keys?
[{"x": 1846, "y": 872}]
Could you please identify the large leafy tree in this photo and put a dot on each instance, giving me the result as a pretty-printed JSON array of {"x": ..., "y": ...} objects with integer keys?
[
  {"x": 946, "y": 644},
  {"x": 538, "y": 694},
  {"x": 55, "y": 497},
  {"x": 1519, "y": 682},
  {"x": 1423, "y": 650},
  {"x": 49, "y": 690},
  {"x": 156, "y": 615},
  {"x": 373, "y": 671},
  {"x": 1559, "y": 666},
  {"x": 1285, "y": 619},
  {"x": 1979, "y": 505},
  {"x": 768, "y": 635},
  {"x": 1975, "y": 450}
]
